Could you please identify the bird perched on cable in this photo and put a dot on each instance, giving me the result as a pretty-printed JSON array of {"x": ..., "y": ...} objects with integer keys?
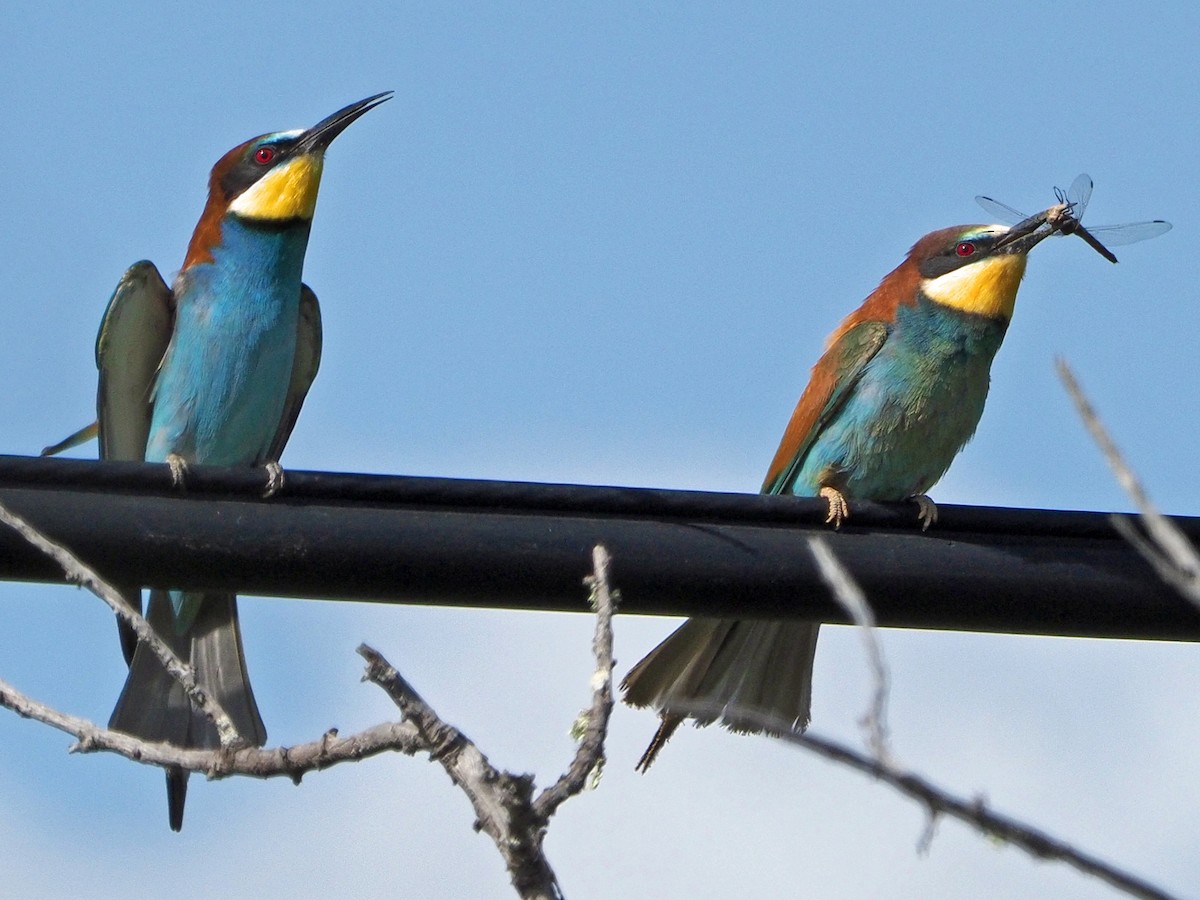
[
  {"x": 213, "y": 370},
  {"x": 897, "y": 393}
]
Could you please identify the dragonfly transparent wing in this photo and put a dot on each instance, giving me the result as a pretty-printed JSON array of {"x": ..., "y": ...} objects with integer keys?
[
  {"x": 1129, "y": 233},
  {"x": 1078, "y": 195},
  {"x": 1002, "y": 211},
  {"x": 1116, "y": 235}
]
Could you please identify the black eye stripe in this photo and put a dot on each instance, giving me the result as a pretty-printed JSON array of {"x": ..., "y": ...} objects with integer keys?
[
  {"x": 950, "y": 257},
  {"x": 250, "y": 168}
]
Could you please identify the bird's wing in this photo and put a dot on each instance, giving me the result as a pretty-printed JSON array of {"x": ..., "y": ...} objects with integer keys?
[
  {"x": 82, "y": 436},
  {"x": 304, "y": 369},
  {"x": 833, "y": 378},
  {"x": 133, "y": 337}
]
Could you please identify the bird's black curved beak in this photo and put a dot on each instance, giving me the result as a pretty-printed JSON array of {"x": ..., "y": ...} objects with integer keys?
[
  {"x": 1030, "y": 232},
  {"x": 322, "y": 134}
]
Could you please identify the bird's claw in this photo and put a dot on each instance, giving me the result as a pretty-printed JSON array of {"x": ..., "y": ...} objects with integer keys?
[
  {"x": 274, "y": 479},
  {"x": 839, "y": 509},
  {"x": 927, "y": 511},
  {"x": 178, "y": 466}
]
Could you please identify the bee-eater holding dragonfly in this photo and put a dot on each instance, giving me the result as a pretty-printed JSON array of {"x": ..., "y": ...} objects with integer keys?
[{"x": 897, "y": 393}]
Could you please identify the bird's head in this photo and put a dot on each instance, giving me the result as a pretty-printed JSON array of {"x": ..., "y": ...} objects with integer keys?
[
  {"x": 974, "y": 268},
  {"x": 271, "y": 179}
]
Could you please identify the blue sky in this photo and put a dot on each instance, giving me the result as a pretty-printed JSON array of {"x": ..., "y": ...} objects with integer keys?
[{"x": 604, "y": 245}]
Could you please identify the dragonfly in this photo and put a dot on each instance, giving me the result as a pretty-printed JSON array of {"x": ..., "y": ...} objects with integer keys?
[{"x": 1064, "y": 217}]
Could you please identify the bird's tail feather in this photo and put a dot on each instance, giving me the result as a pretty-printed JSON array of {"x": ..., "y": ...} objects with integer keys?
[
  {"x": 177, "y": 780},
  {"x": 153, "y": 706},
  {"x": 732, "y": 671},
  {"x": 132, "y": 597},
  {"x": 221, "y": 668}
]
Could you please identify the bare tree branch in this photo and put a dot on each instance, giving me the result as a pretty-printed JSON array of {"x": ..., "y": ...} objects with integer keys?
[
  {"x": 503, "y": 802},
  {"x": 289, "y": 762},
  {"x": 589, "y": 757},
  {"x": 880, "y": 764},
  {"x": 1167, "y": 549},
  {"x": 974, "y": 812},
  {"x": 852, "y": 599},
  {"x": 939, "y": 802},
  {"x": 82, "y": 574}
]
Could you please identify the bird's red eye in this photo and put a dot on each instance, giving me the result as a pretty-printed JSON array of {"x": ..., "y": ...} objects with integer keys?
[
  {"x": 264, "y": 155},
  {"x": 964, "y": 248}
]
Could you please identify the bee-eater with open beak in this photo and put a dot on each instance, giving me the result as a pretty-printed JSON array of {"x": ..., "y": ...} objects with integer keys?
[
  {"x": 213, "y": 370},
  {"x": 897, "y": 393}
]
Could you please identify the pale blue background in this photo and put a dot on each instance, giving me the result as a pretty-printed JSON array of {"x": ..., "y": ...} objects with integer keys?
[{"x": 604, "y": 245}]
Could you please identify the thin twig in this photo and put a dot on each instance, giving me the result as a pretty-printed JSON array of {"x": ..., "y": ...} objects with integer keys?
[
  {"x": 1168, "y": 549},
  {"x": 289, "y": 762},
  {"x": 973, "y": 812},
  {"x": 502, "y": 801},
  {"x": 504, "y": 806},
  {"x": 589, "y": 756},
  {"x": 852, "y": 599},
  {"x": 82, "y": 574}
]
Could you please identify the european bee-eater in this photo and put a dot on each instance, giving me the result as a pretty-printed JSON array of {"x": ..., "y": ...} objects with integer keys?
[
  {"x": 213, "y": 370},
  {"x": 897, "y": 393}
]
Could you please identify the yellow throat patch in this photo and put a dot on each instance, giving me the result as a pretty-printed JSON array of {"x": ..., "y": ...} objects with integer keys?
[
  {"x": 985, "y": 288},
  {"x": 289, "y": 191}
]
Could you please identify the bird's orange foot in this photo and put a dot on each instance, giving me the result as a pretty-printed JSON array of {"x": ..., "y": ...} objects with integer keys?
[
  {"x": 178, "y": 470},
  {"x": 839, "y": 509},
  {"x": 274, "y": 479},
  {"x": 926, "y": 510}
]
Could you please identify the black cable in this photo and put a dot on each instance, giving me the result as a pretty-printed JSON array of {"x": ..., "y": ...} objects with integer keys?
[{"x": 525, "y": 545}]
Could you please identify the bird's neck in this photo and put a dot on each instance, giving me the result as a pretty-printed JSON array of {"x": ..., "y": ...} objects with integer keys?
[
  {"x": 942, "y": 333},
  {"x": 255, "y": 256}
]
